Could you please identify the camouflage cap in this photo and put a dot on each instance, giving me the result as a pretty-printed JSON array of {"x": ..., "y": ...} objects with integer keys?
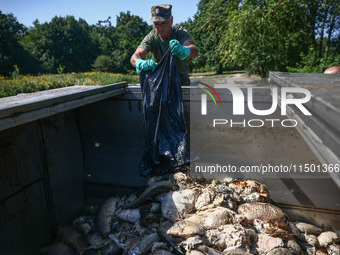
[{"x": 160, "y": 12}]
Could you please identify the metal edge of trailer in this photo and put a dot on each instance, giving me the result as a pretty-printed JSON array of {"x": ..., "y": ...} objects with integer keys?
[
  {"x": 326, "y": 111},
  {"x": 317, "y": 130},
  {"x": 47, "y": 103},
  {"x": 328, "y": 218},
  {"x": 193, "y": 94}
]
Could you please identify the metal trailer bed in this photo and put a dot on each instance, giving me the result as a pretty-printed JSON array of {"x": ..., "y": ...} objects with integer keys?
[{"x": 65, "y": 147}]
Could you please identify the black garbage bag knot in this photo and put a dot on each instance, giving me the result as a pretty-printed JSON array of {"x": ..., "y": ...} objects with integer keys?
[{"x": 165, "y": 130}]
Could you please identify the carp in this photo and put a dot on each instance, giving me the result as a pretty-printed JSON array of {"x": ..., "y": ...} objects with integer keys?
[
  {"x": 105, "y": 215},
  {"x": 72, "y": 237},
  {"x": 264, "y": 212},
  {"x": 178, "y": 203}
]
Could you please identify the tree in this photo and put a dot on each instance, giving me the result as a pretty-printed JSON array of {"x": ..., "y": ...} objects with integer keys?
[
  {"x": 11, "y": 52},
  {"x": 63, "y": 41},
  {"x": 130, "y": 31},
  {"x": 206, "y": 28},
  {"x": 117, "y": 44},
  {"x": 105, "y": 36},
  {"x": 104, "y": 63},
  {"x": 261, "y": 35}
]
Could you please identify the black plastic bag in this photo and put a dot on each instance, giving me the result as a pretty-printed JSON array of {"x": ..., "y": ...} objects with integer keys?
[{"x": 165, "y": 130}]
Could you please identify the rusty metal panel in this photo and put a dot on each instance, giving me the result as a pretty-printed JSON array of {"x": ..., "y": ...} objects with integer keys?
[{"x": 64, "y": 163}]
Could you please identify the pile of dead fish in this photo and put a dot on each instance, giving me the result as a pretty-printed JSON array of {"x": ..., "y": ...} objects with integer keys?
[{"x": 180, "y": 215}]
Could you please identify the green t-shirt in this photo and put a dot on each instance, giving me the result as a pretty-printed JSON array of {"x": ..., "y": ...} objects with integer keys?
[{"x": 157, "y": 46}]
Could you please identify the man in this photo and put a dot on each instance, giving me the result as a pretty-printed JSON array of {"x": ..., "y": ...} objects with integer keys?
[{"x": 160, "y": 39}]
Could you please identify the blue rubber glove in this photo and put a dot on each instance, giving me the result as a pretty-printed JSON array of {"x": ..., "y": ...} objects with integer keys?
[
  {"x": 145, "y": 65},
  {"x": 179, "y": 50}
]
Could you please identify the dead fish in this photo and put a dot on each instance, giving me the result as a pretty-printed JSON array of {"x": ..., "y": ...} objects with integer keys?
[
  {"x": 57, "y": 249},
  {"x": 152, "y": 190},
  {"x": 271, "y": 228},
  {"x": 266, "y": 243},
  {"x": 280, "y": 251},
  {"x": 162, "y": 252},
  {"x": 213, "y": 218},
  {"x": 159, "y": 198},
  {"x": 105, "y": 215},
  {"x": 94, "y": 237},
  {"x": 116, "y": 241},
  {"x": 194, "y": 252},
  {"x": 127, "y": 234},
  {"x": 155, "y": 208},
  {"x": 256, "y": 197},
  {"x": 237, "y": 251},
  {"x": 162, "y": 231},
  {"x": 320, "y": 252},
  {"x": 252, "y": 235},
  {"x": 223, "y": 188},
  {"x": 205, "y": 198},
  {"x": 185, "y": 229},
  {"x": 333, "y": 249},
  {"x": 264, "y": 212},
  {"x": 151, "y": 220},
  {"x": 144, "y": 245},
  {"x": 328, "y": 237},
  {"x": 72, "y": 237},
  {"x": 225, "y": 201},
  {"x": 82, "y": 219},
  {"x": 129, "y": 215},
  {"x": 110, "y": 249},
  {"x": 192, "y": 242},
  {"x": 251, "y": 190},
  {"x": 85, "y": 228},
  {"x": 293, "y": 229},
  {"x": 178, "y": 203},
  {"x": 294, "y": 246},
  {"x": 161, "y": 248},
  {"x": 308, "y": 228},
  {"x": 208, "y": 250},
  {"x": 311, "y": 240},
  {"x": 228, "y": 237},
  {"x": 181, "y": 179}
]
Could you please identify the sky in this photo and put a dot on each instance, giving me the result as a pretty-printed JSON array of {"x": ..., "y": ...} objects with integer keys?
[{"x": 26, "y": 11}]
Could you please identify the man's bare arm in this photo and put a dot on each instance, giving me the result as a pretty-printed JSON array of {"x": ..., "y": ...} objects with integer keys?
[
  {"x": 139, "y": 53},
  {"x": 193, "y": 48}
]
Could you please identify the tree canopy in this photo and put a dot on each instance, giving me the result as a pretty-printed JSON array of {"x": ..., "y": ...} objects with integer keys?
[
  {"x": 263, "y": 35},
  {"x": 255, "y": 35}
]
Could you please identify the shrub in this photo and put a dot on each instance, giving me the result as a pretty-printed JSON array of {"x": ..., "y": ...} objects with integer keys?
[{"x": 104, "y": 63}]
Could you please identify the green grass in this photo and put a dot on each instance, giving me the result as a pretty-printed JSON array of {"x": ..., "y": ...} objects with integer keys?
[{"x": 28, "y": 84}]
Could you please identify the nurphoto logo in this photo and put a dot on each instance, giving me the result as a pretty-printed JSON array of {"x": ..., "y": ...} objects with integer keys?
[{"x": 286, "y": 98}]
